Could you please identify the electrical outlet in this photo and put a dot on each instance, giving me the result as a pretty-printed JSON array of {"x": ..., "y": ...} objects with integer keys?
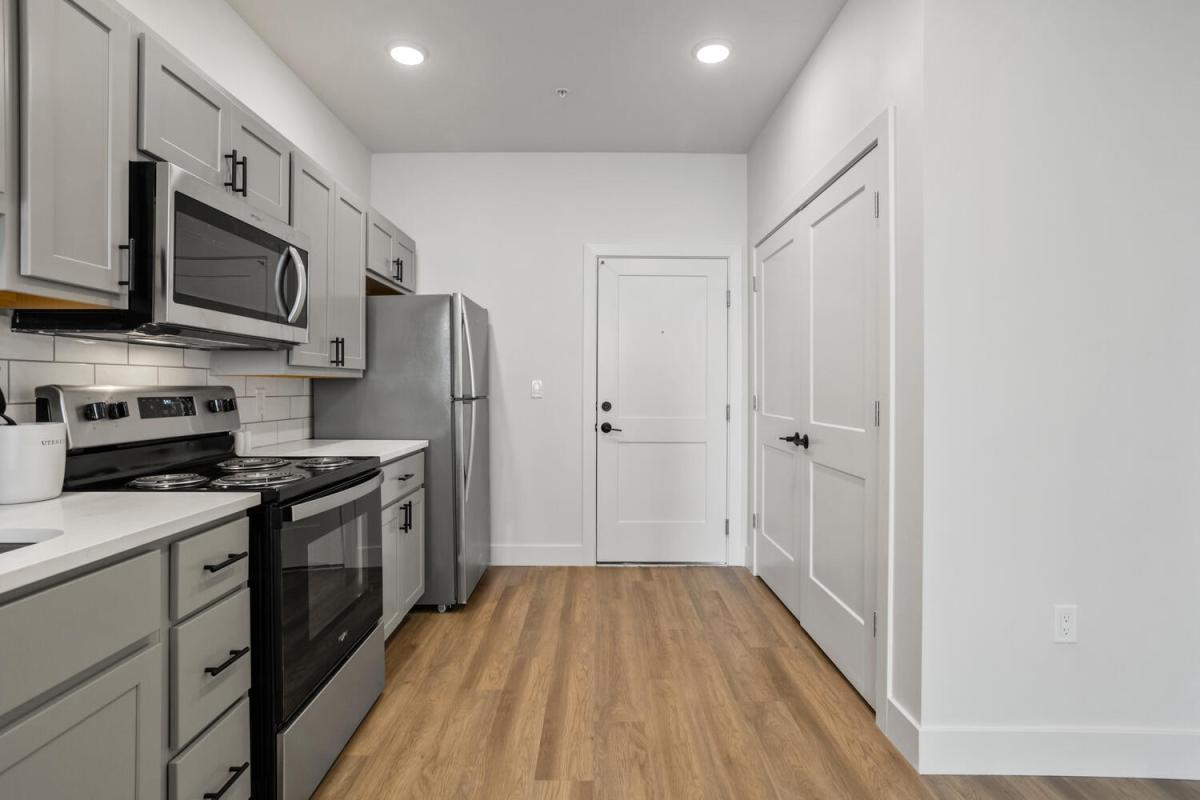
[
  {"x": 1066, "y": 624},
  {"x": 537, "y": 389}
]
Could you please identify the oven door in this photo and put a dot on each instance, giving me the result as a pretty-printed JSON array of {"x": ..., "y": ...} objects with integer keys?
[
  {"x": 226, "y": 266},
  {"x": 330, "y": 586}
]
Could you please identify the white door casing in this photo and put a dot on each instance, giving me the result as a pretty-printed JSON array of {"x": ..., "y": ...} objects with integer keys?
[
  {"x": 818, "y": 498},
  {"x": 661, "y": 363}
]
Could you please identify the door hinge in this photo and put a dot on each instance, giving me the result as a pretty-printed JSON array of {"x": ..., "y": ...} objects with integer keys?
[
  {"x": 877, "y": 205},
  {"x": 728, "y": 412},
  {"x": 754, "y": 402},
  {"x": 726, "y": 527},
  {"x": 754, "y": 282},
  {"x": 876, "y": 413},
  {"x": 874, "y": 624},
  {"x": 754, "y": 520},
  {"x": 729, "y": 298}
]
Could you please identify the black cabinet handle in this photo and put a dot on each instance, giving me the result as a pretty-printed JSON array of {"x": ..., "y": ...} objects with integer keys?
[
  {"x": 234, "y": 655},
  {"x": 237, "y": 773},
  {"x": 234, "y": 163},
  {"x": 341, "y": 351},
  {"x": 407, "y": 476},
  {"x": 608, "y": 428},
  {"x": 232, "y": 558},
  {"x": 796, "y": 439},
  {"x": 406, "y": 526}
]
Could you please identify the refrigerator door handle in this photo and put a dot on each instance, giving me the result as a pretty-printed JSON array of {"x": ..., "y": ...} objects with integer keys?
[
  {"x": 470, "y": 458},
  {"x": 466, "y": 324}
]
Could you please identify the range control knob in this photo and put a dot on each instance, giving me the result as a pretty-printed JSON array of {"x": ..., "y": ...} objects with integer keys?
[
  {"x": 118, "y": 410},
  {"x": 95, "y": 411},
  {"x": 230, "y": 404},
  {"x": 215, "y": 406}
]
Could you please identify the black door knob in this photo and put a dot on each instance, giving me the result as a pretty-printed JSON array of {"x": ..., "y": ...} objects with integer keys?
[
  {"x": 606, "y": 406},
  {"x": 796, "y": 439},
  {"x": 607, "y": 428}
]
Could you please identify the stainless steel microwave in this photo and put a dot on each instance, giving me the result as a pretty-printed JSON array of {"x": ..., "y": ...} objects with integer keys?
[{"x": 205, "y": 270}]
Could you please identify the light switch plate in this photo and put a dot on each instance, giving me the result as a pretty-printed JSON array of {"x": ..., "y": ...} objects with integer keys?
[{"x": 537, "y": 389}]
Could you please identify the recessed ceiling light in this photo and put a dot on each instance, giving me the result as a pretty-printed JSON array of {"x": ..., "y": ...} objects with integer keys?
[
  {"x": 407, "y": 54},
  {"x": 711, "y": 52}
]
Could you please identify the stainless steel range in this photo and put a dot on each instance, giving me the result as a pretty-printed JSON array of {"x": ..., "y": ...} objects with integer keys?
[{"x": 315, "y": 557}]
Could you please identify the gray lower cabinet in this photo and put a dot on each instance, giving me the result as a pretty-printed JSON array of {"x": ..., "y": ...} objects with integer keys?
[
  {"x": 391, "y": 254},
  {"x": 183, "y": 117},
  {"x": 218, "y": 760},
  {"x": 403, "y": 501},
  {"x": 101, "y": 740},
  {"x": 264, "y": 164},
  {"x": 76, "y": 77}
]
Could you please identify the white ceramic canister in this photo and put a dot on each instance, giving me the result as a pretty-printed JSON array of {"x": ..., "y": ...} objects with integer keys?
[{"x": 33, "y": 461}]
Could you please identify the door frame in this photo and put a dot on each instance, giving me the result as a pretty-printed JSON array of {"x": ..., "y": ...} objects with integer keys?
[
  {"x": 735, "y": 377},
  {"x": 879, "y": 135}
]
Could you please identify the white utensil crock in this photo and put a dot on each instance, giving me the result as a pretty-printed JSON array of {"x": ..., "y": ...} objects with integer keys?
[{"x": 33, "y": 461}]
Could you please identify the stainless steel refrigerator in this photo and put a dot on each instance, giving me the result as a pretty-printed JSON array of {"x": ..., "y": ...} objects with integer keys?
[{"x": 427, "y": 378}]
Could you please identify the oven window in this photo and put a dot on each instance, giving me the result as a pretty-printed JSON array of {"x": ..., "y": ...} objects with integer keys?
[
  {"x": 226, "y": 265},
  {"x": 330, "y": 593}
]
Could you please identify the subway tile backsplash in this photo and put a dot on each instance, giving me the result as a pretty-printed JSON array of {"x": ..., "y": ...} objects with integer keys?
[{"x": 272, "y": 409}]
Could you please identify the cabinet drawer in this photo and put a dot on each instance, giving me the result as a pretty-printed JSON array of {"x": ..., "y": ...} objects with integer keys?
[
  {"x": 56, "y": 634},
  {"x": 220, "y": 756},
  {"x": 402, "y": 477},
  {"x": 209, "y": 566},
  {"x": 207, "y": 674}
]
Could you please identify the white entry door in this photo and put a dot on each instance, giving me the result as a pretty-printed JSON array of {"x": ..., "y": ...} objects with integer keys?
[
  {"x": 818, "y": 490},
  {"x": 660, "y": 410}
]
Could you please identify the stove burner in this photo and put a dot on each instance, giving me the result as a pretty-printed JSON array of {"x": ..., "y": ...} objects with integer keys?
[
  {"x": 323, "y": 462},
  {"x": 251, "y": 480},
  {"x": 172, "y": 480},
  {"x": 251, "y": 464}
]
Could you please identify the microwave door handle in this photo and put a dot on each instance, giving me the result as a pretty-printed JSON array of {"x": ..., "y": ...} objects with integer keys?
[
  {"x": 302, "y": 511},
  {"x": 280, "y": 270},
  {"x": 302, "y": 289}
]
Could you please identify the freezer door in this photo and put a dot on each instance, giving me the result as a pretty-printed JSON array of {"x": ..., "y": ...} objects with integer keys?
[
  {"x": 473, "y": 490},
  {"x": 471, "y": 379}
]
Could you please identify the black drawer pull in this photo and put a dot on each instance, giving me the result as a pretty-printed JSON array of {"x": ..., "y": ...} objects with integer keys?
[
  {"x": 237, "y": 773},
  {"x": 232, "y": 558},
  {"x": 234, "y": 655},
  {"x": 407, "y": 476}
]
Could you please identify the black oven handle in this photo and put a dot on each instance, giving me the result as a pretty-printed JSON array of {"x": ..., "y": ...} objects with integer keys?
[{"x": 329, "y": 502}]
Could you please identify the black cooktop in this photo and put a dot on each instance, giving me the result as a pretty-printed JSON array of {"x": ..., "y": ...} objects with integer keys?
[{"x": 275, "y": 478}]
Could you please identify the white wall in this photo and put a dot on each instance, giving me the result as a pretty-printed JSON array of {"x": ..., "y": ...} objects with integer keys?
[
  {"x": 214, "y": 37},
  {"x": 1062, "y": 375},
  {"x": 870, "y": 59},
  {"x": 509, "y": 230}
]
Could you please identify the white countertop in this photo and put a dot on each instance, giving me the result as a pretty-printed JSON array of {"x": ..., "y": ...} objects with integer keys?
[
  {"x": 385, "y": 449},
  {"x": 99, "y": 525}
]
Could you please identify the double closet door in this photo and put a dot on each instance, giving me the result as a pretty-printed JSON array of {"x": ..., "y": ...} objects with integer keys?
[{"x": 820, "y": 301}]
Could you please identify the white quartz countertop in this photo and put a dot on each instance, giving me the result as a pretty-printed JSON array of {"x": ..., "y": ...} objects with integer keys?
[
  {"x": 100, "y": 525},
  {"x": 385, "y": 449}
]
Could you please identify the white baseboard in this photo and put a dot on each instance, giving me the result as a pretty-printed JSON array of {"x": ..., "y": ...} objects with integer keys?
[
  {"x": 539, "y": 555},
  {"x": 903, "y": 731},
  {"x": 1099, "y": 752}
]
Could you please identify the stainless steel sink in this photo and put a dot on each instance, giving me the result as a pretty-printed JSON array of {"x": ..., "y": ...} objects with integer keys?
[{"x": 14, "y": 538}]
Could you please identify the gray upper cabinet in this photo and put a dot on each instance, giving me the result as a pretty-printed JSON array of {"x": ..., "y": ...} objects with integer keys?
[
  {"x": 102, "y": 741},
  {"x": 347, "y": 282},
  {"x": 76, "y": 111},
  {"x": 183, "y": 117},
  {"x": 264, "y": 164},
  {"x": 391, "y": 254},
  {"x": 313, "y": 195}
]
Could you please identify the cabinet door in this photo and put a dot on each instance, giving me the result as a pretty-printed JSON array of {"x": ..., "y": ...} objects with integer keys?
[
  {"x": 391, "y": 568},
  {"x": 182, "y": 116},
  {"x": 264, "y": 175},
  {"x": 381, "y": 234},
  {"x": 404, "y": 259},
  {"x": 76, "y": 142},
  {"x": 347, "y": 281},
  {"x": 102, "y": 741},
  {"x": 313, "y": 197},
  {"x": 412, "y": 551}
]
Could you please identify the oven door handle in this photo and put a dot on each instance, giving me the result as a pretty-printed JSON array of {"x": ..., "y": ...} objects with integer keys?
[{"x": 320, "y": 505}]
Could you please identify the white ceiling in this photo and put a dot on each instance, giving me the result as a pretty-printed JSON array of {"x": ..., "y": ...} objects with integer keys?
[{"x": 494, "y": 65}]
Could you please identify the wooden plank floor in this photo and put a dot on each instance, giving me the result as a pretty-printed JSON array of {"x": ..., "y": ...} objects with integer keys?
[{"x": 624, "y": 683}]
